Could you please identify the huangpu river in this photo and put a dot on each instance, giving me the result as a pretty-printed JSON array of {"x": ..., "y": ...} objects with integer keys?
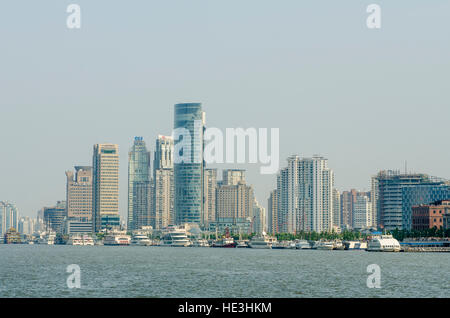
[{"x": 41, "y": 271}]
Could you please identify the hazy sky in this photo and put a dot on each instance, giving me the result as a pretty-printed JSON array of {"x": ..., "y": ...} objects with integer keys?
[{"x": 365, "y": 99}]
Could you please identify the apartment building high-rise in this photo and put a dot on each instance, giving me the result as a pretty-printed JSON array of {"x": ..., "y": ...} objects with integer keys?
[
  {"x": 105, "y": 196},
  {"x": 234, "y": 203},
  {"x": 142, "y": 198},
  {"x": 139, "y": 173},
  {"x": 163, "y": 157},
  {"x": 336, "y": 208},
  {"x": 9, "y": 217},
  {"x": 189, "y": 124},
  {"x": 259, "y": 224},
  {"x": 233, "y": 176},
  {"x": 305, "y": 195},
  {"x": 163, "y": 189},
  {"x": 362, "y": 212},
  {"x": 272, "y": 212},
  {"x": 388, "y": 193},
  {"x": 209, "y": 205}
]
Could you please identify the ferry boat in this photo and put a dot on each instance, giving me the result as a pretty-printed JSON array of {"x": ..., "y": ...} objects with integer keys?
[
  {"x": 324, "y": 245},
  {"x": 47, "y": 238},
  {"x": 176, "y": 237},
  {"x": 117, "y": 238},
  {"x": 264, "y": 241},
  {"x": 355, "y": 245},
  {"x": 242, "y": 244},
  {"x": 141, "y": 240},
  {"x": 383, "y": 243},
  {"x": 75, "y": 240},
  {"x": 285, "y": 245},
  {"x": 338, "y": 245},
  {"x": 83, "y": 240},
  {"x": 200, "y": 243},
  {"x": 88, "y": 240},
  {"x": 302, "y": 245}
]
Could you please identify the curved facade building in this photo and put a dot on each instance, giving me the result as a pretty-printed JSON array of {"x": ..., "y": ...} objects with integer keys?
[{"x": 188, "y": 163}]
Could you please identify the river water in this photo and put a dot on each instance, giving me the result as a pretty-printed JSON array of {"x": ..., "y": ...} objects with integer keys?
[{"x": 41, "y": 271}]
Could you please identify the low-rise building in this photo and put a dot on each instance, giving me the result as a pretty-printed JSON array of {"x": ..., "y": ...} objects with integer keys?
[{"x": 428, "y": 216}]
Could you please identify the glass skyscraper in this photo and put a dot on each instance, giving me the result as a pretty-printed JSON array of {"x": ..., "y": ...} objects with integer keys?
[
  {"x": 138, "y": 174},
  {"x": 188, "y": 173}
]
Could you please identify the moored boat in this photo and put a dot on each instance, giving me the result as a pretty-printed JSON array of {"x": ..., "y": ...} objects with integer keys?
[
  {"x": 383, "y": 243},
  {"x": 264, "y": 241}
]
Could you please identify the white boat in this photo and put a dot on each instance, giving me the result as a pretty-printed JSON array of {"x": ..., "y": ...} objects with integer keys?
[
  {"x": 47, "y": 238},
  {"x": 141, "y": 240},
  {"x": 176, "y": 237},
  {"x": 117, "y": 238},
  {"x": 338, "y": 245},
  {"x": 383, "y": 243},
  {"x": 75, "y": 240},
  {"x": 283, "y": 245},
  {"x": 302, "y": 245},
  {"x": 200, "y": 243},
  {"x": 324, "y": 245},
  {"x": 242, "y": 244},
  {"x": 88, "y": 240},
  {"x": 263, "y": 241}
]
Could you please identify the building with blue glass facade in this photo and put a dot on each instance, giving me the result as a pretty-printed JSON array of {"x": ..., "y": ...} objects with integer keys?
[
  {"x": 387, "y": 193},
  {"x": 188, "y": 162},
  {"x": 421, "y": 194}
]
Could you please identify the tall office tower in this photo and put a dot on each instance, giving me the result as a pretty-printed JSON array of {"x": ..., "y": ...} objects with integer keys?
[
  {"x": 272, "y": 215},
  {"x": 234, "y": 203},
  {"x": 105, "y": 196},
  {"x": 233, "y": 176},
  {"x": 79, "y": 194},
  {"x": 259, "y": 218},
  {"x": 9, "y": 217},
  {"x": 305, "y": 200},
  {"x": 362, "y": 212},
  {"x": 209, "y": 205},
  {"x": 336, "y": 208},
  {"x": 54, "y": 217},
  {"x": 188, "y": 162},
  {"x": 388, "y": 189},
  {"x": 163, "y": 158},
  {"x": 138, "y": 172},
  {"x": 142, "y": 205}
]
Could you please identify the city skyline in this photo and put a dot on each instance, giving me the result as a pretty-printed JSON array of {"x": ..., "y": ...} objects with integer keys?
[{"x": 331, "y": 85}]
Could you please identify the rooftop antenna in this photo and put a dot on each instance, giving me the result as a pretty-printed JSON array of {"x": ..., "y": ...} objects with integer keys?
[{"x": 406, "y": 166}]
